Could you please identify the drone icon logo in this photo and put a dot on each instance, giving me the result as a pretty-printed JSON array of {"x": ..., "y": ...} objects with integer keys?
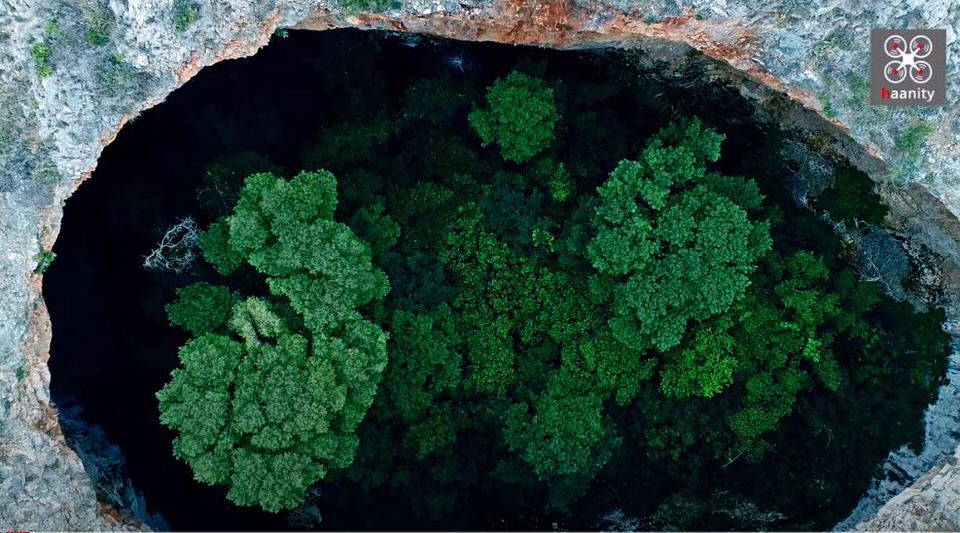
[
  {"x": 907, "y": 59},
  {"x": 908, "y": 66}
]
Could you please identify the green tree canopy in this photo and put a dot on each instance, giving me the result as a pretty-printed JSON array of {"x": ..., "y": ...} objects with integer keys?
[
  {"x": 268, "y": 401},
  {"x": 675, "y": 250},
  {"x": 202, "y": 308},
  {"x": 559, "y": 325},
  {"x": 520, "y": 116}
]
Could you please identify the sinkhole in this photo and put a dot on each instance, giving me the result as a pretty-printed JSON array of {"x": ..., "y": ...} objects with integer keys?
[{"x": 616, "y": 298}]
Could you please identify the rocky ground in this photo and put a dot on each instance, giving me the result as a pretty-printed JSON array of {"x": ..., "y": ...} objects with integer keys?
[
  {"x": 930, "y": 504},
  {"x": 72, "y": 72}
]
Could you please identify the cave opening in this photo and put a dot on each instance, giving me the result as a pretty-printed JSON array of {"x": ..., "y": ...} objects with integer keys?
[{"x": 113, "y": 346}]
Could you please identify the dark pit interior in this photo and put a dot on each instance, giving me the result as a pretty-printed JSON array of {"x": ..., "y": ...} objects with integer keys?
[{"x": 113, "y": 348}]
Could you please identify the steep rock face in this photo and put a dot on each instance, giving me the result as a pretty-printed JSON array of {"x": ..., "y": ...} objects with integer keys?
[
  {"x": 53, "y": 127},
  {"x": 930, "y": 504}
]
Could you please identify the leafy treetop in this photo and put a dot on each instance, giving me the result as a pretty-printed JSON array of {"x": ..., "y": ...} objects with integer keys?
[
  {"x": 674, "y": 249},
  {"x": 270, "y": 393},
  {"x": 520, "y": 117}
]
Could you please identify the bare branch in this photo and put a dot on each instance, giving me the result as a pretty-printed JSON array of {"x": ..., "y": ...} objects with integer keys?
[{"x": 176, "y": 251}]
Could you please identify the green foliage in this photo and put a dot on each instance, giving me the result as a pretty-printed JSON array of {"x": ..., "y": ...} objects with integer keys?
[
  {"x": 852, "y": 198},
  {"x": 555, "y": 178},
  {"x": 346, "y": 143},
  {"x": 563, "y": 432},
  {"x": 116, "y": 73},
  {"x": 376, "y": 228},
  {"x": 912, "y": 140},
  {"x": 653, "y": 320},
  {"x": 224, "y": 176},
  {"x": 42, "y": 52},
  {"x": 202, "y": 308},
  {"x": 858, "y": 89},
  {"x": 97, "y": 37},
  {"x": 826, "y": 105},
  {"x": 52, "y": 31},
  {"x": 435, "y": 100},
  {"x": 520, "y": 117},
  {"x": 425, "y": 373},
  {"x": 44, "y": 260},
  {"x": 554, "y": 318},
  {"x": 270, "y": 392},
  {"x": 185, "y": 13},
  {"x": 98, "y": 23},
  {"x": 258, "y": 412},
  {"x": 370, "y": 6},
  {"x": 216, "y": 250},
  {"x": 674, "y": 250},
  {"x": 704, "y": 368}
]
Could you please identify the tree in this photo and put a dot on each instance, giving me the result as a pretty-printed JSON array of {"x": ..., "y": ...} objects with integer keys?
[
  {"x": 540, "y": 331},
  {"x": 520, "y": 117},
  {"x": 202, "y": 308},
  {"x": 346, "y": 143},
  {"x": 562, "y": 432},
  {"x": 224, "y": 176},
  {"x": 705, "y": 367},
  {"x": 757, "y": 358},
  {"x": 425, "y": 375},
  {"x": 670, "y": 249},
  {"x": 256, "y": 412},
  {"x": 268, "y": 402}
]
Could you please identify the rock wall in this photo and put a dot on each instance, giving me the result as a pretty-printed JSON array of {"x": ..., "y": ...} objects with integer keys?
[
  {"x": 72, "y": 72},
  {"x": 930, "y": 504}
]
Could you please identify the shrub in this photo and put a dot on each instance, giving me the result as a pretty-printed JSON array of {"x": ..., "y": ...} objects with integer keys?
[
  {"x": 185, "y": 13},
  {"x": 373, "y": 6},
  {"x": 42, "y": 53},
  {"x": 913, "y": 139},
  {"x": 44, "y": 260},
  {"x": 96, "y": 37},
  {"x": 115, "y": 73}
]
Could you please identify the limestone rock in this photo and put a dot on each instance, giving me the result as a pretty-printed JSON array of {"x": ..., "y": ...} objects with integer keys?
[{"x": 930, "y": 504}]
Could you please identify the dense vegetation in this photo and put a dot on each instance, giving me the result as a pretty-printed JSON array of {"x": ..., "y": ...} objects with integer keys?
[
  {"x": 270, "y": 394},
  {"x": 483, "y": 296}
]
